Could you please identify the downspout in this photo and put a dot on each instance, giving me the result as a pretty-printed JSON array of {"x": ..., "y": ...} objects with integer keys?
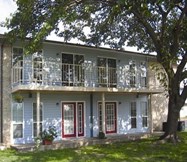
[
  {"x": 91, "y": 115},
  {"x": 1, "y": 93}
]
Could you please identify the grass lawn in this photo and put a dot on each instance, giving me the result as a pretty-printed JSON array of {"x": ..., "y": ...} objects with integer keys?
[{"x": 145, "y": 150}]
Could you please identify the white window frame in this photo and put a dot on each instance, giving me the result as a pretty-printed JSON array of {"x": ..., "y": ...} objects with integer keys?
[
  {"x": 144, "y": 113},
  {"x": 133, "y": 116},
  {"x": 106, "y": 81},
  {"x": 16, "y": 122},
  {"x": 17, "y": 73},
  {"x": 132, "y": 75},
  {"x": 40, "y": 69},
  {"x": 143, "y": 74}
]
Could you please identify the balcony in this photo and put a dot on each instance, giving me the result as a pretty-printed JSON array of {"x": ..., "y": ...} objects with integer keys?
[{"x": 57, "y": 76}]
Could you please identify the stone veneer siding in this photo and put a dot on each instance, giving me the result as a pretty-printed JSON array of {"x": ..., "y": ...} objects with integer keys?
[
  {"x": 158, "y": 102},
  {"x": 6, "y": 96}
]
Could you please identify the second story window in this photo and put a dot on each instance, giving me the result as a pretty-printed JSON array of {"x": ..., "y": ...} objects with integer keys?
[
  {"x": 143, "y": 74},
  {"x": 72, "y": 70},
  {"x": 132, "y": 73},
  {"x": 106, "y": 72},
  {"x": 38, "y": 66},
  {"x": 17, "y": 63}
]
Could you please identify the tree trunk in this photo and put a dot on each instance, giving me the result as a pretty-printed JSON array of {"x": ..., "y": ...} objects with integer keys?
[{"x": 172, "y": 120}]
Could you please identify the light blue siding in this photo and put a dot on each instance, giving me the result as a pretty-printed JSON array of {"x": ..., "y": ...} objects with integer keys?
[
  {"x": 52, "y": 101},
  {"x": 52, "y": 112}
]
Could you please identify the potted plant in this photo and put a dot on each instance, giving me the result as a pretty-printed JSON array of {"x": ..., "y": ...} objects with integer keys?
[
  {"x": 101, "y": 135},
  {"x": 18, "y": 98},
  {"x": 48, "y": 135}
]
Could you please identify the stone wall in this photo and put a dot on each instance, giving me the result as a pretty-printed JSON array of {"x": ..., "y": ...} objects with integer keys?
[
  {"x": 6, "y": 96},
  {"x": 158, "y": 102}
]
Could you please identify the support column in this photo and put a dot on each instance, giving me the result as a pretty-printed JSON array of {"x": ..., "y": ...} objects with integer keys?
[
  {"x": 38, "y": 112},
  {"x": 150, "y": 113},
  {"x": 103, "y": 112},
  {"x": 91, "y": 115}
]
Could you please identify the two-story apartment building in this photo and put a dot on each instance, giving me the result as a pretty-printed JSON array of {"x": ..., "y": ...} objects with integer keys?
[{"x": 80, "y": 90}]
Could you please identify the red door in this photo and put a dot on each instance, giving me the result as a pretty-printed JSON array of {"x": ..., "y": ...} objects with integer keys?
[
  {"x": 72, "y": 119},
  {"x": 68, "y": 119},
  {"x": 110, "y": 117}
]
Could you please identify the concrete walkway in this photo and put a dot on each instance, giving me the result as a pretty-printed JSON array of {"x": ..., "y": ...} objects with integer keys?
[{"x": 79, "y": 142}]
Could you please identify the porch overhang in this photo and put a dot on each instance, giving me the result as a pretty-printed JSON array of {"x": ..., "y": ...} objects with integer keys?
[{"x": 38, "y": 87}]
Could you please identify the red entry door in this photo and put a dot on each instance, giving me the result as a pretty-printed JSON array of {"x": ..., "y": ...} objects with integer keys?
[
  {"x": 68, "y": 120},
  {"x": 72, "y": 119}
]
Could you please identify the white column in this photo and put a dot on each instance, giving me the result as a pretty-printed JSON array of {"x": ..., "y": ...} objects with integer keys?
[
  {"x": 150, "y": 113},
  {"x": 103, "y": 112},
  {"x": 38, "y": 112}
]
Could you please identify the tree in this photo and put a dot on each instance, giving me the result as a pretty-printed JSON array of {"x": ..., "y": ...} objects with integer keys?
[{"x": 153, "y": 25}]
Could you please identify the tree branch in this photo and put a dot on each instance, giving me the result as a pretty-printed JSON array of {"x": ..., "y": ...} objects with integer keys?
[
  {"x": 181, "y": 66},
  {"x": 184, "y": 93},
  {"x": 176, "y": 30},
  {"x": 148, "y": 28}
]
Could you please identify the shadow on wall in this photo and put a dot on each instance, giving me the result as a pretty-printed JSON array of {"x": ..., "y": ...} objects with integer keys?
[{"x": 159, "y": 110}]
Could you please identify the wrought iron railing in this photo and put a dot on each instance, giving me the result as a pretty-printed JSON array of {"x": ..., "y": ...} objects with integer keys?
[{"x": 85, "y": 75}]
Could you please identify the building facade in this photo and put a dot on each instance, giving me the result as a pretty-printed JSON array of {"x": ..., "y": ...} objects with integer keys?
[{"x": 78, "y": 89}]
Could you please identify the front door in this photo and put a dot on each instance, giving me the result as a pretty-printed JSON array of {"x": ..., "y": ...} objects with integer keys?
[
  {"x": 110, "y": 117},
  {"x": 72, "y": 119}
]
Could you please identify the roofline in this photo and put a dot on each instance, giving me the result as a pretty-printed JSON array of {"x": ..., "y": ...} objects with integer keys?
[
  {"x": 100, "y": 48},
  {"x": 2, "y": 36}
]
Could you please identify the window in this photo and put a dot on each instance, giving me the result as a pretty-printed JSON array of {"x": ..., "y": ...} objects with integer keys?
[
  {"x": 17, "y": 120},
  {"x": 133, "y": 115},
  {"x": 80, "y": 109},
  {"x": 100, "y": 117},
  {"x": 132, "y": 73},
  {"x": 35, "y": 118},
  {"x": 17, "y": 63},
  {"x": 144, "y": 114},
  {"x": 38, "y": 66},
  {"x": 106, "y": 72},
  {"x": 17, "y": 55},
  {"x": 143, "y": 73},
  {"x": 72, "y": 69}
]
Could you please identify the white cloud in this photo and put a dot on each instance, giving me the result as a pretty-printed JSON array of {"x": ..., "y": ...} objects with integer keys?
[{"x": 7, "y": 7}]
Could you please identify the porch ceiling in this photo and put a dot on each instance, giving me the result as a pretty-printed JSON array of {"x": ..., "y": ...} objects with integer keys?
[{"x": 85, "y": 89}]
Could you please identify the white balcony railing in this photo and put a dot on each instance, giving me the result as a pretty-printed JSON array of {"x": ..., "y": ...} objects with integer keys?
[{"x": 85, "y": 75}]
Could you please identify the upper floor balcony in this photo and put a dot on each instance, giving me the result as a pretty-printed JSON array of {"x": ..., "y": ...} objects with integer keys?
[{"x": 57, "y": 76}]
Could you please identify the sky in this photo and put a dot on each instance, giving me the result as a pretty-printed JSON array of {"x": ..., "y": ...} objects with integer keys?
[{"x": 9, "y": 6}]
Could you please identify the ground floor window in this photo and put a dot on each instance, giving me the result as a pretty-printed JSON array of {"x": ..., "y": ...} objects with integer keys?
[
  {"x": 34, "y": 110},
  {"x": 144, "y": 112},
  {"x": 17, "y": 120},
  {"x": 110, "y": 117},
  {"x": 72, "y": 119},
  {"x": 133, "y": 113}
]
